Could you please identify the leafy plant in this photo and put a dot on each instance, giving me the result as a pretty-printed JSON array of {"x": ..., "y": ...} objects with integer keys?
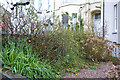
[
  {"x": 73, "y": 70},
  {"x": 24, "y": 62}
]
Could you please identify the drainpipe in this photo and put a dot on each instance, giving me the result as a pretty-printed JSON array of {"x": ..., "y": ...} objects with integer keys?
[{"x": 103, "y": 19}]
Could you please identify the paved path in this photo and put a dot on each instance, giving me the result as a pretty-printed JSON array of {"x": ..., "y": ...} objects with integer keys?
[{"x": 100, "y": 72}]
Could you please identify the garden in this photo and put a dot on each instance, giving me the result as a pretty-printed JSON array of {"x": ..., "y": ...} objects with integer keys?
[{"x": 36, "y": 52}]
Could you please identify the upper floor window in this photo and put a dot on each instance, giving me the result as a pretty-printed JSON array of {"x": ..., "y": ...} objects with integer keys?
[
  {"x": 48, "y": 5},
  {"x": 39, "y": 5},
  {"x": 115, "y": 18},
  {"x": 65, "y": 1},
  {"x": 69, "y": 1},
  {"x": 21, "y": 11},
  {"x": 32, "y": 2}
]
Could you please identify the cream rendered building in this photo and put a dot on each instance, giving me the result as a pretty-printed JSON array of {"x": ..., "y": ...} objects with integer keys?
[{"x": 90, "y": 11}]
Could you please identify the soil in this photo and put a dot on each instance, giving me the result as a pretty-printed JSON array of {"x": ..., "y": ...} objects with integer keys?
[{"x": 100, "y": 72}]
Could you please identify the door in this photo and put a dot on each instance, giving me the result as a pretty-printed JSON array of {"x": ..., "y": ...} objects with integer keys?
[{"x": 97, "y": 24}]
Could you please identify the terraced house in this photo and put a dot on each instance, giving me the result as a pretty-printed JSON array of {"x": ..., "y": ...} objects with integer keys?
[
  {"x": 90, "y": 11},
  {"x": 111, "y": 22}
]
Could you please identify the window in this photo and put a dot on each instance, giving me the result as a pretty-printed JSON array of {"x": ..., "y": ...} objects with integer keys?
[
  {"x": 69, "y": 1},
  {"x": 65, "y": 1},
  {"x": 115, "y": 18},
  {"x": 48, "y": 5},
  {"x": 74, "y": 15},
  {"x": 32, "y": 2},
  {"x": 39, "y": 5},
  {"x": 74, "y": 20},
  {"x": 98, "y": 16},
  {"x": 21, "y": 11},
  {"x": 48, "y": 9},
  {"x": 75, "y": 1},
  {"x": 65, "y": 18}
]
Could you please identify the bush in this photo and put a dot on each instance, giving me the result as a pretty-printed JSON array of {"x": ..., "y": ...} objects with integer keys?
[
  {"x": 94, "y": 47},
  {"x": 20, "y": 59},
  {"x": 61, "y": 50}
]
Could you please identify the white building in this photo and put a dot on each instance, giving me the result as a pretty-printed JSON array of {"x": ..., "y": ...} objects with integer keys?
[{"x": 111, "y": 22}]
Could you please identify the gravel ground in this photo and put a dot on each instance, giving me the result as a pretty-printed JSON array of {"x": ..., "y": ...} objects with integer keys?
[{"x": 100, "y": 72}]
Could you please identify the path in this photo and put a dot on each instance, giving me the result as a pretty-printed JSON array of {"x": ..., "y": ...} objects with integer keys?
[{"x": 100, "y": 72}]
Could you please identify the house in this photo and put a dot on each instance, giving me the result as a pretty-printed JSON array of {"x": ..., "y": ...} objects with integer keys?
[
  {"x": 111, "y": 22},
  {"x": 91, "y": 14},
  {"x": 90, "y": 11}
]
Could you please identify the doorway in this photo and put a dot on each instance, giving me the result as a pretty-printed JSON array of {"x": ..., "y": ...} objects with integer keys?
[{"x": 97, "y": 24}]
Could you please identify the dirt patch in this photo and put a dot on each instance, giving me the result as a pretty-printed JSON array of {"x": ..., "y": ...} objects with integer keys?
[{"x": 101, "y": 72}]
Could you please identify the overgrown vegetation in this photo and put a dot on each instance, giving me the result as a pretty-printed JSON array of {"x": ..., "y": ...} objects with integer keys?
[
  {"x": 46, "y": 56},
  {"x": 36, "y": 52},
  {"x": 20, "y": 58}
]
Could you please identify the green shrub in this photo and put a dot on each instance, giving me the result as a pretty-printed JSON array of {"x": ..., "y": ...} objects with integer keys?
[
  {"x": 20, "y": 59},
  {"x": 113, "y": 59}
]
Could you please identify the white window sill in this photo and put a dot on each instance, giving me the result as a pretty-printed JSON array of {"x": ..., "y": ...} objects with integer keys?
[{"x": 114, "y": 33}]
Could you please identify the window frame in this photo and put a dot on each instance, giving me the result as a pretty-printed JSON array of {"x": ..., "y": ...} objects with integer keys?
[
  {"x": 48, "y": 4},
  {"x": 115, "y": 18},
  {"x": 39, "y": 5},
  {"x": 97, "y": 15}
]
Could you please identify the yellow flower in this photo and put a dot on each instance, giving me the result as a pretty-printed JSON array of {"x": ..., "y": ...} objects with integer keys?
[
  {"x": 27, "y": 29},
  {"x": 36, "y": 36},
  {"x": 13, "y": 33},
  {"x": 76, "y": 74},
  {"x": 69, "y": 68},
  {"x": 9, "y": 33}
]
